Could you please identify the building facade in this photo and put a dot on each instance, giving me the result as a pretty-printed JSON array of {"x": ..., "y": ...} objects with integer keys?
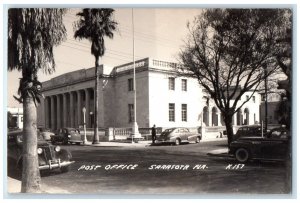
[
  {"x": 273, "y": 102},
  {"x": 248, "y": 114},
  {"x": 163, "y": 99},
  {"x": 16, "y": 117}
]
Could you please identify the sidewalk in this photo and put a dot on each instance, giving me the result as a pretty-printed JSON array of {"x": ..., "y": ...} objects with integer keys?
[{"x": 14, "y": 186}]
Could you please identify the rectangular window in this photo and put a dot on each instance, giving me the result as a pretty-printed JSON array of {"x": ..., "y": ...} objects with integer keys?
[
  {"x": 171, "y": 83},
  {"x": 253, "y": 98},
  {"x": 183, "y": 112},
  {"x": 130, "y": 84},
  {"x": 130, "y": 113},
  {"x": 171, "y": 112},
  {"x": 184, "y": 85}
]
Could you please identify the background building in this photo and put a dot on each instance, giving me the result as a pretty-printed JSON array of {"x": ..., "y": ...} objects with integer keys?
[
  {"x": 16, "y": 117},
  {"x": 272, "y": 107}
]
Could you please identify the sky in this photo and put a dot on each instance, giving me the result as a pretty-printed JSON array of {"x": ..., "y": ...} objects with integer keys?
[{"x": 158, "y": 33}]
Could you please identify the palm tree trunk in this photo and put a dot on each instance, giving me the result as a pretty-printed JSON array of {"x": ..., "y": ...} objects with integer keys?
[
  {"x": 96, "y": 105},
  {"x": 30, "y": 173}
]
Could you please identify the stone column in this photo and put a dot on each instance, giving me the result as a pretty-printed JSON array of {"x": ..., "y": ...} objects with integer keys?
[
  {"x": 219, "y": 118},
  {"x": 47, "y": 116},
  {"x": 209, "y": 117},
  {"x": 79, "y": 109},
  {"x": 58, "y": 112},
  {"x": 87, "y": 106},
  {"x": 65, "y": 111},
  {"x": 71, "y": 110},
  {"x": 52, "y": 113},
  {"x": 234, "y": 119}
]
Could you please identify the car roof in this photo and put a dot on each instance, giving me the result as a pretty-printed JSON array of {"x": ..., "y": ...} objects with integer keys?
[
  {"x": 69, "y": 128},
  {"x": 251, "y": 126}
]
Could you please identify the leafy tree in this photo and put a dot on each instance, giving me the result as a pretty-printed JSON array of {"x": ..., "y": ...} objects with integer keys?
[
  {"x": 284, "y": 59},
  {"x": 94, "y": 25},
  {"x": 32, "y": 34},
  {"x": 230, "y": 52}
]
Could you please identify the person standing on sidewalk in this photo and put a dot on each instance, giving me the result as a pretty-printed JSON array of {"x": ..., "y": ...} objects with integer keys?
[{"x": 153, "y": 133}]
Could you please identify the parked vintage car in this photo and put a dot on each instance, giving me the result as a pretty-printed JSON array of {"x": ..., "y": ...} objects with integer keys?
[
  {"x": 248, "y": 131},
  {"x": 275, "y": 145},
  {"x": 178, "y": 136},
  {"x": 66, "y": 136},
  {"x": 50, "y": 157},
  {"x": 46, "y": 133}
]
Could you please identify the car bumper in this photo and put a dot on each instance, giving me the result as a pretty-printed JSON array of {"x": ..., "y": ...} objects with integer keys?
[
  {"x": 75, "y": 141},
  {"x": 55, "y": 165}
]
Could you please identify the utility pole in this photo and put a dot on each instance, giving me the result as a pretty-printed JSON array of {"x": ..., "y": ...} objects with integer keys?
[{"x": 266, "y": 99}]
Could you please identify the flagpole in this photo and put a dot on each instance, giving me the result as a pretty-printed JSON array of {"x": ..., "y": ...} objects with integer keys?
[{"x": 135, "y": 128}]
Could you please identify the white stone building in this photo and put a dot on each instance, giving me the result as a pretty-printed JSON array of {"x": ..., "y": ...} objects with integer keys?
[{"x": 162, "y": 99}]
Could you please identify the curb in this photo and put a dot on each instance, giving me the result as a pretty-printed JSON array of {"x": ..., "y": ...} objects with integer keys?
[{"x": 138, "y": 144}]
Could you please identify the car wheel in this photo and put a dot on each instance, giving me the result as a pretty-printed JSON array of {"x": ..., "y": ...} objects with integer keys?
[
  {"x": 177, "y": 141},
  {"x": 64, "y": 169},
  {"x": 198, "y": 139},
  {"x": 242, "y": 155}
]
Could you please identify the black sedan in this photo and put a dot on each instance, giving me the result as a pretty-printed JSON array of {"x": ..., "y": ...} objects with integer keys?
[
  {"x": 275, "y": 145},
  {"x": 66, "y": 136},
  {"x": 49, "y": 156}
]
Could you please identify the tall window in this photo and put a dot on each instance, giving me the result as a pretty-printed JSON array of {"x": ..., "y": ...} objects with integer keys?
[
  {"x": 171, "y": 112},
  {"x": 171, "y": 83},
  {"x": 130, "y": 113},
  {"x": 253, "y": 98},
  {"x": 183, "y": 112},
  {"x": 184, "y": 85},
  {"x": 130, "y": 84}
]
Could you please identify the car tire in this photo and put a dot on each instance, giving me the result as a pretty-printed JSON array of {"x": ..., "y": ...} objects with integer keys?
[
  {"x": 177, "y": 141},
  {"x": 197, "y": 140},
  {"x": 242, "y": 155},
  {"x": 64, "y": 169}
]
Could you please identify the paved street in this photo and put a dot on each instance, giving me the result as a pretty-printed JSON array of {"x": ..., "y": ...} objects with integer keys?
[{"x": 164, "y": 169}]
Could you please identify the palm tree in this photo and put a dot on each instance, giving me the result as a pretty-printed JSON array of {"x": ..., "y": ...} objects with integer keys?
[
  {"x": 94, "y": 25},
  {"x": 32, "y": 34}
]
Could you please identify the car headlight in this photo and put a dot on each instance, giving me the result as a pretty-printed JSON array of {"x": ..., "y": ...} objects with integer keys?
[
  {"x": 69, "y": 136},
  {"x": 57, "y": 148},
  {"x": 39, "y": 150}
]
